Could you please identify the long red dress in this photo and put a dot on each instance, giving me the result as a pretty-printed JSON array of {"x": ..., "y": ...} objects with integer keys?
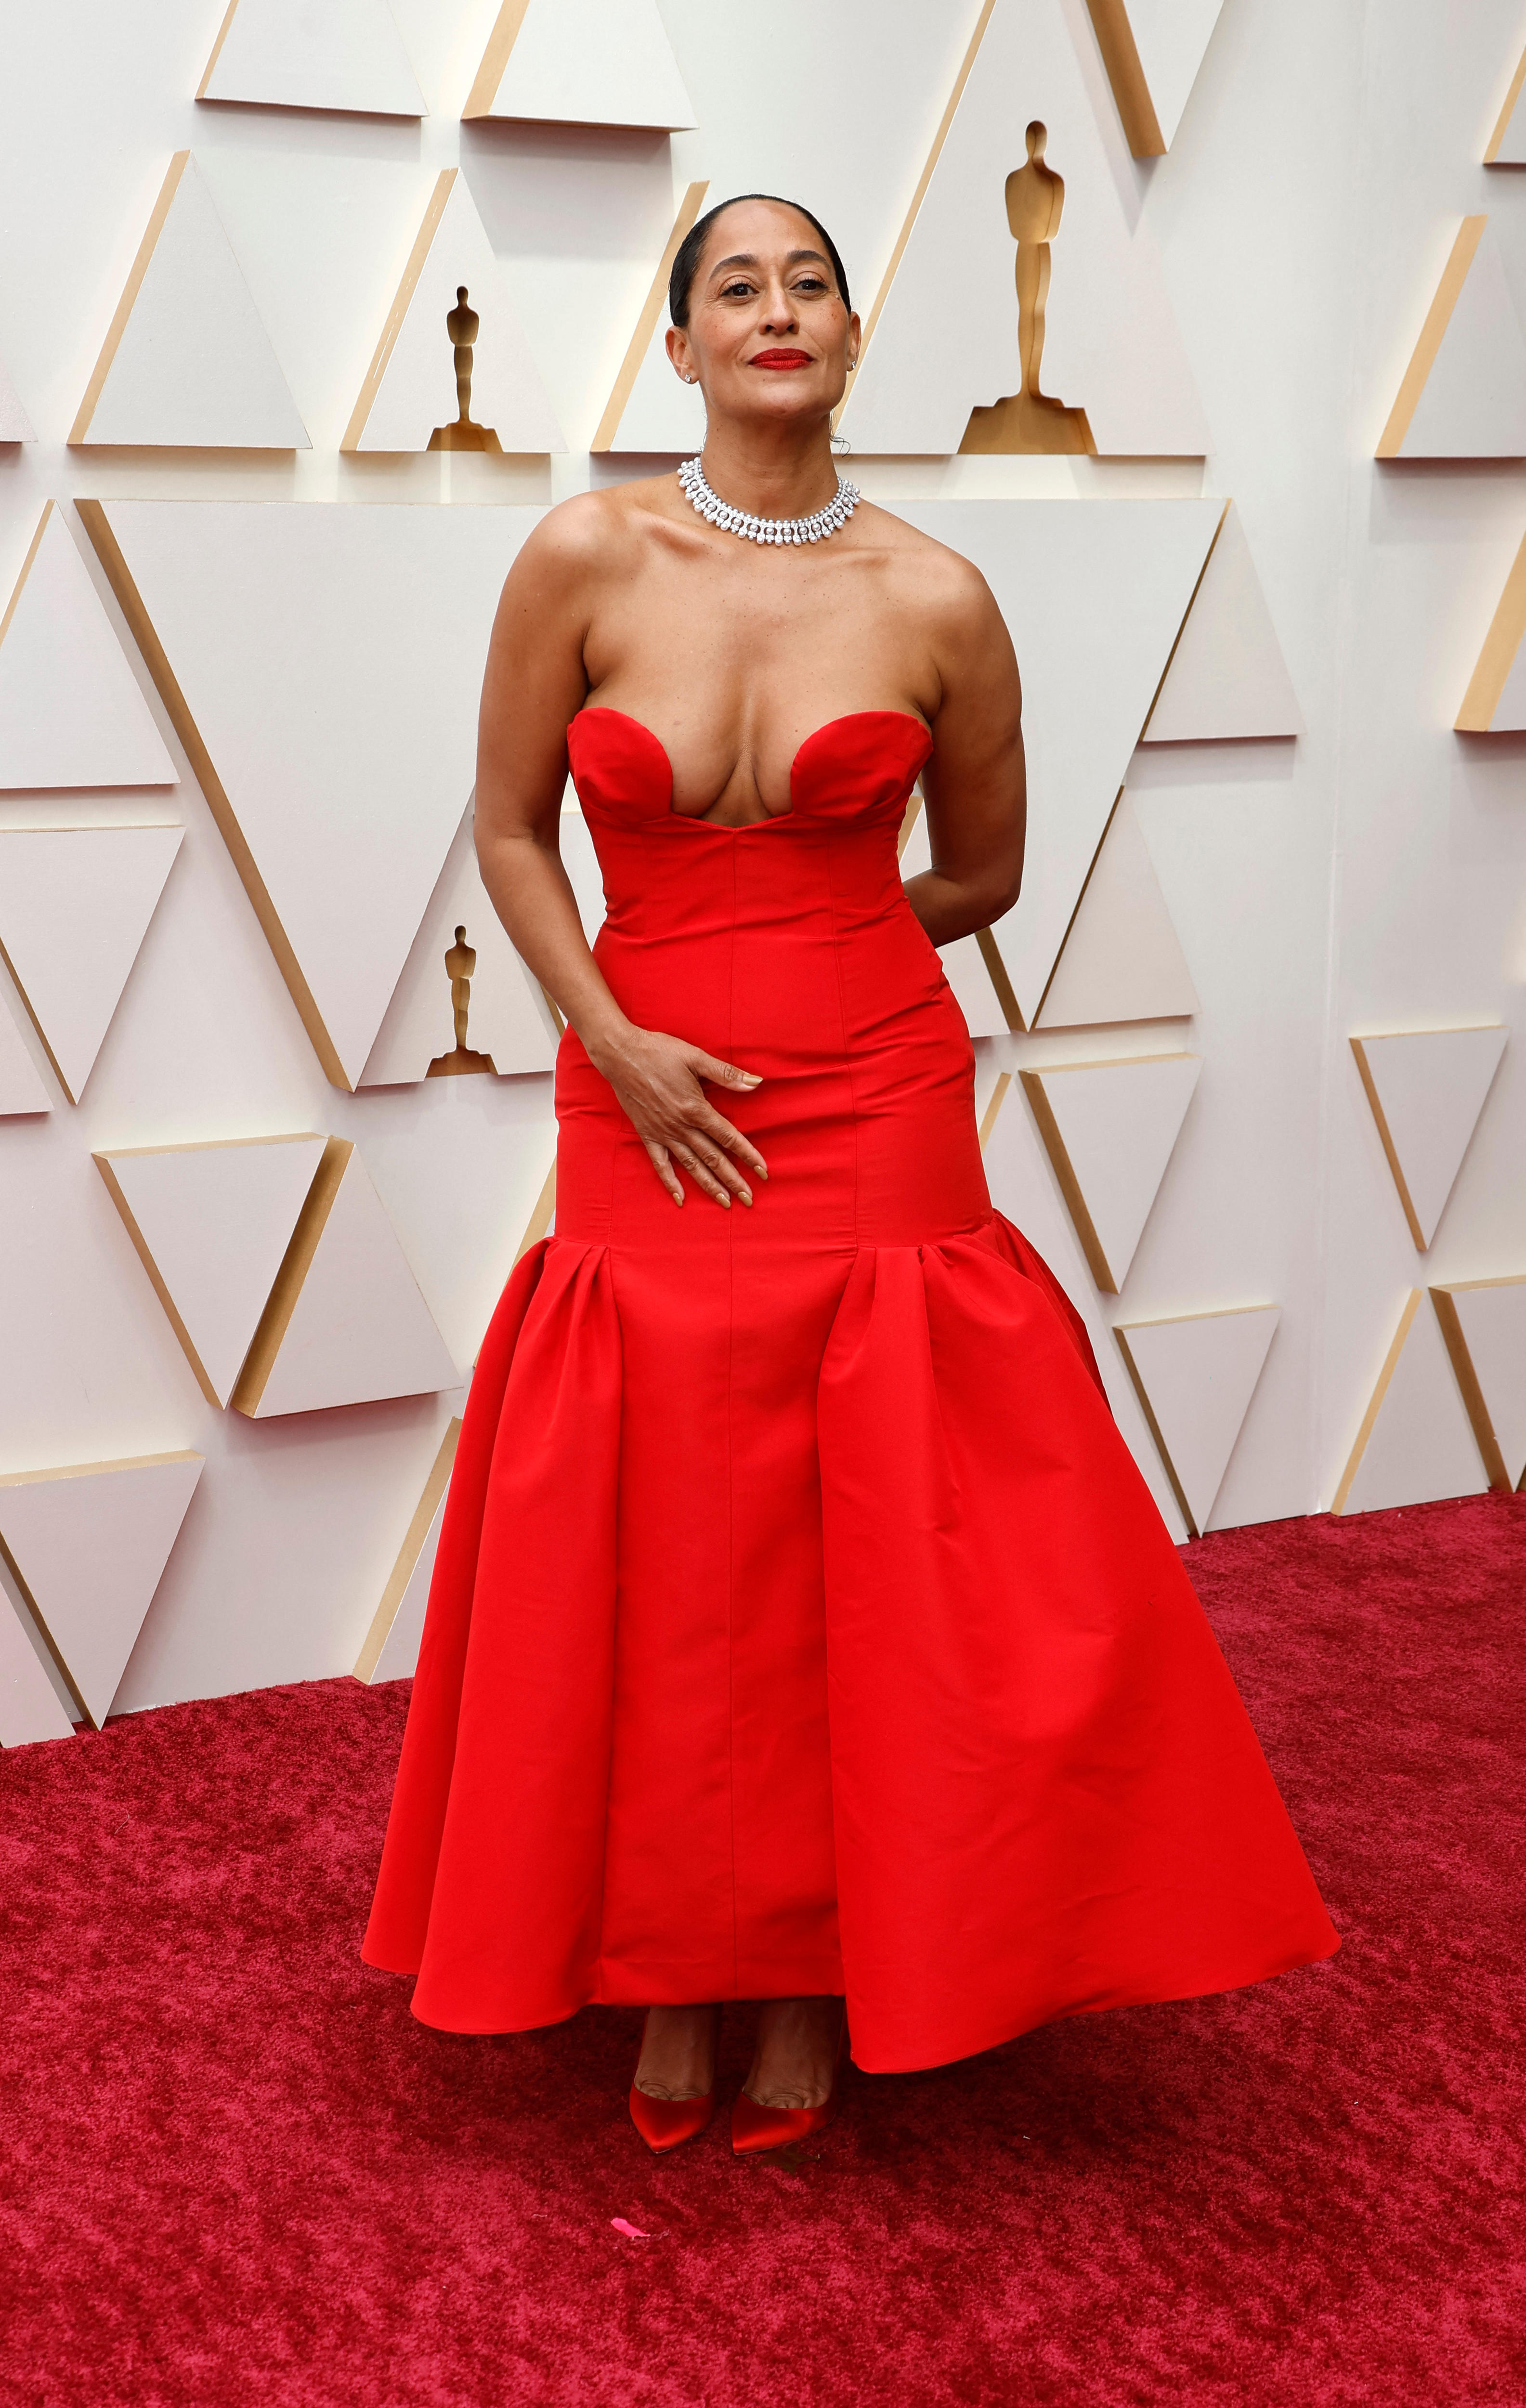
[{"x": 800, "y": 1623}]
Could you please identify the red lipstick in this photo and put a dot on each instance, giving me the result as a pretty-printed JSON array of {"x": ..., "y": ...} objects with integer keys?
[{"x": 779, "y": 360}]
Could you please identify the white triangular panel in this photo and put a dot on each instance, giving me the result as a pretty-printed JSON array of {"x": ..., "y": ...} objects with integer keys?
[
  {"x": 327, "y": 666},
  {"x": 343, "y": 54},
  {"x": 1110, "y": 1129},
  {"x": 28, "y": 1704},
  {"x": 1022, "y": 1185},
  {"x": 391, "y": 1652},
  {"x": 1198, "y": 1374},
  {"x": 71, "y": 712},
  {"x": 1491, "y": 1316},
  {"x": 187, "y": 361},
  {"x": 1170, "y": 38},
  {"x": 1506, "y": 145},
  {"x": 1472, "y": 402},
  {"x": 1094, "y": 595},
  {"x": 1495, "y": 701},
  {"x": 91, "y": 1540},
  {"x": 1122, "y": 959},
  {"x": 360, "y": 1328},
  {"x": 1111, "y": 347},
  {"x": 75, "y": 907},
  {"x": 391, "y": 1649},
  {"x": 15, "y": 427},
  {"x": 663, "y": 413},
  {"x": 963, "y": 963},
  {"x": 1512, "y": 148},
  {"x": 581, "y": 63},
  {"x": 212, "y": 1224},
  {"x": 1509, "y": 712},
  {"x": 575, "y": 841},
  {"x": 411, "y": 388},
  {"x": 540, "y": 1155},
  {"x": 1427, "y": 1089},
  {"x": 507, "y": 1016},
  {"x": 649, "y": 405},
  {"x": 1227, "y": 676},
  {"x": 1416, "y": 1443},
  {"x": 21, "y": 1089},
  {"x": 399, "y": 1657}
]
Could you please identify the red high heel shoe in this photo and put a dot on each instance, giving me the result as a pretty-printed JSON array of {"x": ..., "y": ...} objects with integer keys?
[
  {"x": 755, "y": 2128},
  {"x": 664, "y": 2123}
]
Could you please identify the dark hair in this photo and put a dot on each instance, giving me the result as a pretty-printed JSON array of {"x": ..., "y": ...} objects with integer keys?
[{"x": 687, "y": 262}]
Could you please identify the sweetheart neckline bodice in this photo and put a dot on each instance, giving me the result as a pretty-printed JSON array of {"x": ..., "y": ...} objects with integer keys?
[{"x": 770, "y": 818}]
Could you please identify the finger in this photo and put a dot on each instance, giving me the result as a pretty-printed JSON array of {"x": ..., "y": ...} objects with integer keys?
[
  {"x": 723, "y": 1167},
  {"x": 725, "y": 1074},
  {"x": 702, "y": 1177},
  {"x": 666, "y": 1171},
  {"x": 715, "y": 1124}
]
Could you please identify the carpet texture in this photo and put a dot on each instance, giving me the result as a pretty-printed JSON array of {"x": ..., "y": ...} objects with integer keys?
[{"x": 235, "y": 2171}]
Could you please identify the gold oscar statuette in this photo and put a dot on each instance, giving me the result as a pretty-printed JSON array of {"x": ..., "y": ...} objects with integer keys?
[
  {"x": 460, "y": 962},
  {"x": 462, "y": 434},
  {"x": 1029, "y": 419}
]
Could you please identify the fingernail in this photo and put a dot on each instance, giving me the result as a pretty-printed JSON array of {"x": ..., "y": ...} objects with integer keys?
[
  {"x": 726, "y": 1201},
  {"x": 744, "y": 1197},
  {"x": 751, "y": 1078}
]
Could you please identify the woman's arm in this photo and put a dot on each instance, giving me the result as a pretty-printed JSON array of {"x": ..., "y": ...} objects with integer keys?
[
  {"x": 975, "y": 783},
  {"x": 534, "y": 684}
]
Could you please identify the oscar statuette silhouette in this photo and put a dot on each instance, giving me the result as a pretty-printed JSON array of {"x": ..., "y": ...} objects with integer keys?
[
  {"x": 460, "y": 962},
  {"x": 462, "y": 434},
  {"x": 1029, "y": 419}
]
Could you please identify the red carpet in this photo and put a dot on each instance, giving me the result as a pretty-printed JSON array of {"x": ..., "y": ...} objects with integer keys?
[{"x": 235, "y": 2171}]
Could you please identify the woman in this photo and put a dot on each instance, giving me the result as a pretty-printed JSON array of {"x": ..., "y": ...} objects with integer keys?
[{"x": 800, "y": 1627}]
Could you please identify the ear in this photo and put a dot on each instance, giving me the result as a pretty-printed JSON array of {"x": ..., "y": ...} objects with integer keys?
[{"x": 678, "y": 352}]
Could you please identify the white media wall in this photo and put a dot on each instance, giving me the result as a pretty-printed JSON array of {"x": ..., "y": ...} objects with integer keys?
[{"x": 256, "y": 724}]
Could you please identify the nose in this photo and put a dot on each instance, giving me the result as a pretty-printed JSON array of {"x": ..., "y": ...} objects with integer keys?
[{"x": 779, "y": 309}]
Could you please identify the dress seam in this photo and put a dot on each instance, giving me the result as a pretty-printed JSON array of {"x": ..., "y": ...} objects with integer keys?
[
  {"x": 842, "y": 1017},
  {"x": 614, "y": 1648},
  {"x": 730, "y": 1476}
]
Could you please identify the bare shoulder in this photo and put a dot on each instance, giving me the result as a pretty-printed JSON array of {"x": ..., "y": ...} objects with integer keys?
[
  {"x": 954, "y": 613},
  {"x": 949, "y": 590},
  {"x": 588, "y": 536}
]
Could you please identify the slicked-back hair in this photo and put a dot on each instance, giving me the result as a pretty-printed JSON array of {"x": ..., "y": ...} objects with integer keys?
[{"x": 687, "y": 262}]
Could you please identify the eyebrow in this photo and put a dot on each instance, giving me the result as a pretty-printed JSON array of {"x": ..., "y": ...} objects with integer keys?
[{"x": 749, "y": 259}]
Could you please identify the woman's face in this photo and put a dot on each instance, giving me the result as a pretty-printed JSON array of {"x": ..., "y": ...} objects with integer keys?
[{"x": 767, "y": 333}]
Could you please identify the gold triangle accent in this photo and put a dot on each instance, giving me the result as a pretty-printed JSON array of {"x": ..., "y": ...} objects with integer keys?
[
  {"x": 1501, "y": 645},
  {"x": 1437, "y": 319},
  {"x": 297, "y": 1262},
  {"x": 407, "y": 1555},
  {"x": 636, "y": 350},
  {"x": 130, "y": 291},
  {"x": 1374, "y": 1403},
  {"x": 961, "y": 80}
]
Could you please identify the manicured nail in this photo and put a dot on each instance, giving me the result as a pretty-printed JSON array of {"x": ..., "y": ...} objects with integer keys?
[
  {"x": 752, "y": 1078},
  {"x": 744, "y": 1195}
]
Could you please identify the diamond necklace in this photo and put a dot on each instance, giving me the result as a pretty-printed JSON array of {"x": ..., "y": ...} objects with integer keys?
[{"x": 813, "y": 529}]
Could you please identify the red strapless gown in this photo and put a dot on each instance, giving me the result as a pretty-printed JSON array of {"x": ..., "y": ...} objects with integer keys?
[{"x": 800, "y": 1623}]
